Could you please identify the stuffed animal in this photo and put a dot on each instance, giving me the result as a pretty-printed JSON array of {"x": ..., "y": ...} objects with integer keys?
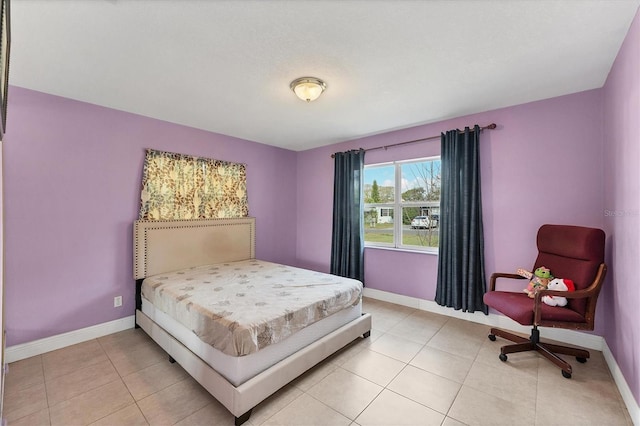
[
  {"x": 538, "y": 280},
  {"x": 558, "y": 284}
]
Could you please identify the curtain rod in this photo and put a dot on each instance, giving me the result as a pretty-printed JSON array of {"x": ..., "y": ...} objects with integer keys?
[{"x": 489, "y": 126}]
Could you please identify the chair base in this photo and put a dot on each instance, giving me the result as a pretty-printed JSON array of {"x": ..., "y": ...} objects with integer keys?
[{"x": 533, "y": 343}]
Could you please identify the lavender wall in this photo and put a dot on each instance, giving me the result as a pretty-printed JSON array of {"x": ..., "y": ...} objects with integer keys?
[
  {"x": 72, "y": 181},
  {"x": 541, "y": 165},
  {"x": 622, "y": 206}
]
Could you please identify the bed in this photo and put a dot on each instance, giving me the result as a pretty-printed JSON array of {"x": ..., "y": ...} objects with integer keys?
[{"x": 240, "y": 362}]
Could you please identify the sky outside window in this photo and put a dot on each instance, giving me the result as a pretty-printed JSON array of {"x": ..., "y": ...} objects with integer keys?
[{"x": 384, "y": 176}]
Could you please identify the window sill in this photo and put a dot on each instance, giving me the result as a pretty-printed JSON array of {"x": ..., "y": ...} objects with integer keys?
[{"x": 406, "y": 250}]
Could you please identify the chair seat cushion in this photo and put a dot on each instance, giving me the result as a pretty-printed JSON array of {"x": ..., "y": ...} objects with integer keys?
[{"x": 519, "y": 307}]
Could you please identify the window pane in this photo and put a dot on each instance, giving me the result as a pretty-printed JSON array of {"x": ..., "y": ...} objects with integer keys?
[
  {"x": 379, "y": 183},
  {"x": 410, "y": 221},
  {"x": 420, "y": 226},
  {"x": 378, "y": 225},
  {"x": 421, "y": 181}
]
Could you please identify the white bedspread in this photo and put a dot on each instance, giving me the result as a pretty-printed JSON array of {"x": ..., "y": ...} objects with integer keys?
[{"x": 241, "y": 307}]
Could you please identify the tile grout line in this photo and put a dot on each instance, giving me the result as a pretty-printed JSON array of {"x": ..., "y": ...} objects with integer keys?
[
  {"x": 135, "y": 402},
  {"x": 409, "y": 364}
]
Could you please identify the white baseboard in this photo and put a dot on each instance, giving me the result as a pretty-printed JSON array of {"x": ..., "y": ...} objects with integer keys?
[
  {"x": 623, "y": 386},
  {"x": 585, "y": 340},
  {"x": 38, "y": 347}
]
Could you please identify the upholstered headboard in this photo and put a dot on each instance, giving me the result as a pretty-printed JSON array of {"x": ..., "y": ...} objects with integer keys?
[{"x": 168, "y": 245}]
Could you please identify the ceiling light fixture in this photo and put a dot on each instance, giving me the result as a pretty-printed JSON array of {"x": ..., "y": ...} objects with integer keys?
[{"x": 308, "y": 88}]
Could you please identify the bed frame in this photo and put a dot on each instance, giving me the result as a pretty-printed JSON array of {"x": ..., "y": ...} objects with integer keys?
[{"x": 164, "y": 246}]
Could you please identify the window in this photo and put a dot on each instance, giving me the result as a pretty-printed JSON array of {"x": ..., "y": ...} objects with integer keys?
[{"x": 402, "y": 204}]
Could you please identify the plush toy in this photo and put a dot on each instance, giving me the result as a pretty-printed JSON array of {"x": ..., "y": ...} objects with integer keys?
[
  {"x": 558, "y": 284},
  {"x": 538, "y": 280}
]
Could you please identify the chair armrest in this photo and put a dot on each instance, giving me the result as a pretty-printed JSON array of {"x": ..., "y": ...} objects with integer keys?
[
  {"x": 496, "y": 275},
  {"x": 578, "y": 294},
  {"x": 589, "y": 292}
]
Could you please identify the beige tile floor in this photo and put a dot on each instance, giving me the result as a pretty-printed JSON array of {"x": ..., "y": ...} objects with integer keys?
[{"x": 417, "y": 368}]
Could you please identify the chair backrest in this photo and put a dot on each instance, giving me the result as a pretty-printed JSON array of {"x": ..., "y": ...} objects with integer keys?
[{"x": 572, "y": 252}]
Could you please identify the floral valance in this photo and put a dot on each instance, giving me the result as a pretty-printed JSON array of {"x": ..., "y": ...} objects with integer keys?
[{"x": 178, "y": 186}]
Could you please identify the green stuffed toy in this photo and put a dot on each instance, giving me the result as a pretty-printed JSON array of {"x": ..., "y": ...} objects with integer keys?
[{"x": 539, "y": 280}]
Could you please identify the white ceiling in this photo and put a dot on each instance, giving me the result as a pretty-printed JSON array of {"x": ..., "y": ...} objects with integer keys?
[{"x": 225, "y": 66}]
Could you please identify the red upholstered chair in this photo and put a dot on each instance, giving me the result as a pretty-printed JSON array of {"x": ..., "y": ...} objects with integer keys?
[{"x": 572, "y": 252}]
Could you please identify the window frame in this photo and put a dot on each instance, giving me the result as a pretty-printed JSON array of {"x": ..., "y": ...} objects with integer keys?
[{"x": 398, "y": 206}]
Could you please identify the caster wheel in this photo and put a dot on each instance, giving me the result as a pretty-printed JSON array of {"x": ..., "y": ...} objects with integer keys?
[
  {"x": 566, "y": 375},
  {"x": 581, "y": 360},
  {"x": 492, "y": 337},
  {"x": 502, "y": 357}
]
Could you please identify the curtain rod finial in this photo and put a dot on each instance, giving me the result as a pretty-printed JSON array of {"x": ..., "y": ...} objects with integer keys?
[{"x": 492, "y": 126}]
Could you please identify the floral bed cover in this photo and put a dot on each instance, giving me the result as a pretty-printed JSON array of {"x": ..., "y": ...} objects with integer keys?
[{"x": 241, "y": 307}]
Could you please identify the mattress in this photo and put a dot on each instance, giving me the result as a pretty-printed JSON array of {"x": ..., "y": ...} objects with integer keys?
[
  {"x": 245, "y": 306},
  {"x": 239, "y": 369}
]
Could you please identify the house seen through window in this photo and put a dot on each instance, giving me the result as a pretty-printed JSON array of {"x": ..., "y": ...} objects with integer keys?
[{"x": 402, "y": 204}]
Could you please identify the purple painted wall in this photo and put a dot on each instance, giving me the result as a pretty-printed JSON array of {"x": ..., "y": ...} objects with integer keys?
[
  {"x": 72, "y": 182},
  {"x": 541, "y": 165},
  {"x": 622, "y": 206}
]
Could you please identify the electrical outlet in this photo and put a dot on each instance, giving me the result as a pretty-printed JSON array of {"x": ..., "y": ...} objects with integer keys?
[{"x": 117, "y": 301}]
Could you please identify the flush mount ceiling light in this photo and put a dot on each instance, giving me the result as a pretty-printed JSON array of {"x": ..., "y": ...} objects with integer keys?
[{"x": 308, "y": 88}]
